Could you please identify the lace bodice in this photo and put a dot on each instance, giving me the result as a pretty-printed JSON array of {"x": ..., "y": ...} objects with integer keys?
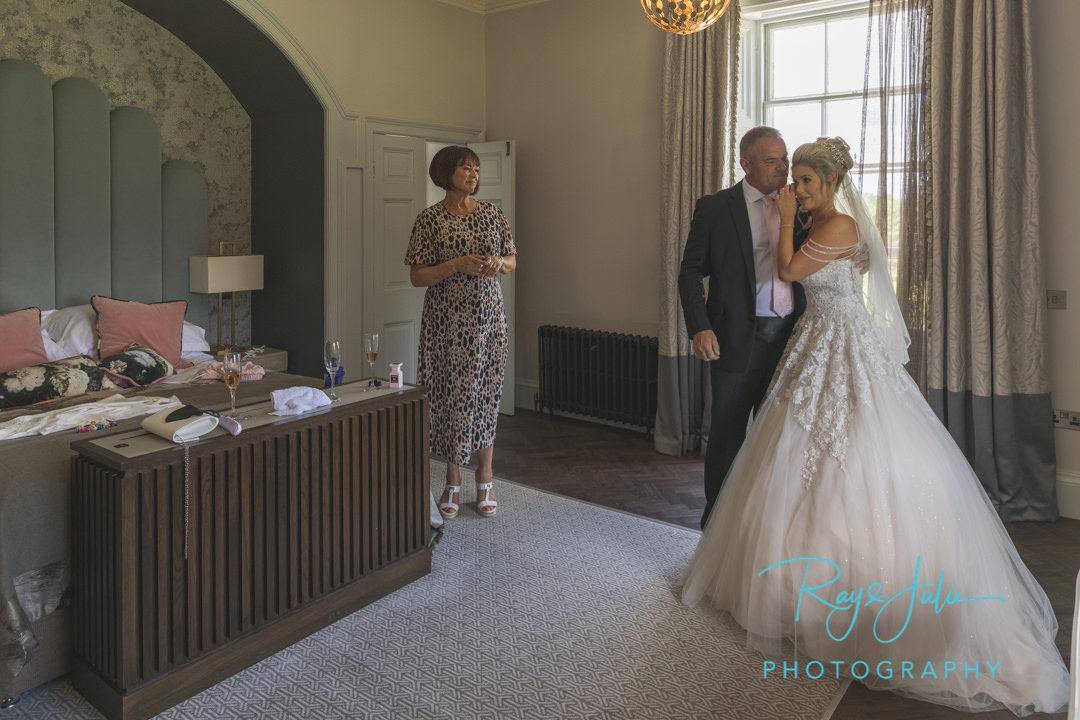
[
  {"x": 834, "y": 356},
  {"x": 836, "y": 285}
]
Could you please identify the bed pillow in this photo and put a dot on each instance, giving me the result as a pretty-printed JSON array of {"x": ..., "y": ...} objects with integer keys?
[
  {"x": 193, "y": 339},
  {"x": 158, "y": 326},
  {"x": 22, "y": 344},
  {"x": 52, "y": 380},
  {"x": 72, "y": 328},
  {"x": 135, "y": 367},
  {"x": 52, "y": 350}
]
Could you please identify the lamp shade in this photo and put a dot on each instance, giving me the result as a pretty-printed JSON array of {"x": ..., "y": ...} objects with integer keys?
[{"x": 225, "y": 273}]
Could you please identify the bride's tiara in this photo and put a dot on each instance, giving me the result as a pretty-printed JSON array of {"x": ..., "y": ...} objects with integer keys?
[{"x": 834, "y": 151}]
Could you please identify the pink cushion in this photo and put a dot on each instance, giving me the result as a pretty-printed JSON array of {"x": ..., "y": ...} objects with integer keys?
[
  {"x": 21, "y": 345},
  {"x": 158, "y": 326}
]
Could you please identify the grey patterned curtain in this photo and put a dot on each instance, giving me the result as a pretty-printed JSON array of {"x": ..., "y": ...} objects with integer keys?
[
  {"x": 698, "y": 158},
  {"x": 987, "y": 372}
]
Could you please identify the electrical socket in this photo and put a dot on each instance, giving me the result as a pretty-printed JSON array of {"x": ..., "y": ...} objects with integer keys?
[
  {"x": 1068, "y": 419},
  {"x": 1055, "y": 299}
]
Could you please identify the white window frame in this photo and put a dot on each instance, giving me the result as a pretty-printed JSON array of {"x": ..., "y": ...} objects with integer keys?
[
  {"x": 753, "y": 95},
  {"x": 754, "y": 100}
]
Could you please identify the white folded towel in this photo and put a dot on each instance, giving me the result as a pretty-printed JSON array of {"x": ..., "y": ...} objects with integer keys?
[{"x": 297, "y": 400}]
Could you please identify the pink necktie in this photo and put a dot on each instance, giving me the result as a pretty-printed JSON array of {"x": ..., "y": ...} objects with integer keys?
[{"x": 782, "y": 303}]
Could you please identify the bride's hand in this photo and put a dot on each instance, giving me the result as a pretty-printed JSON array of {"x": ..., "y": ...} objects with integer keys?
[{"x": 787, "y": 205}]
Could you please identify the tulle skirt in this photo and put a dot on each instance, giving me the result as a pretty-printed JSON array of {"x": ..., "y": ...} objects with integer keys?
[{"x": 888, "y": 563}]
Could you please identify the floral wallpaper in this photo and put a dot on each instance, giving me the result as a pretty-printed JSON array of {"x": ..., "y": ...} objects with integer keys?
[{"x": 137, "y": 62}]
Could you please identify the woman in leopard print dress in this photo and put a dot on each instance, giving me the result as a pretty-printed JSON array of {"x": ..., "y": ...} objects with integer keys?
[{"x": 457, "y": 249}]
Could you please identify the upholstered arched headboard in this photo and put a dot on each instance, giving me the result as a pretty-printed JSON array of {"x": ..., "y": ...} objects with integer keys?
[{"x": 86, "y": 205}]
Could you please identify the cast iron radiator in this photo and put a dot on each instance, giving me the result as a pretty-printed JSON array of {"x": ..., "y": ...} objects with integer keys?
[{"x": 611, "y": 376}]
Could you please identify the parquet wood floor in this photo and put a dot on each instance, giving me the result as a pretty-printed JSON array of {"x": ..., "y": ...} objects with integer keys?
[{"x": 618, "y": 468}]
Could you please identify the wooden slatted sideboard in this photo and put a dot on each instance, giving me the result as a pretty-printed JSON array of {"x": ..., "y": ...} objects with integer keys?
[{"x": 186, "y": 572}]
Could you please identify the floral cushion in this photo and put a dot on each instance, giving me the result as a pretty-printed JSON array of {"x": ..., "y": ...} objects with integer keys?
[
  {"x": 136, "y": 366},
  {"x": 52, "y": 380}
]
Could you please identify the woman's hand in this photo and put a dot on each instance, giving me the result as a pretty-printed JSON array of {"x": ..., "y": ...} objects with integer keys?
[
  {"x": 471, "y": 265},
  {"x": 492, "y": 265},
  {"x": 787, "y": 205}
]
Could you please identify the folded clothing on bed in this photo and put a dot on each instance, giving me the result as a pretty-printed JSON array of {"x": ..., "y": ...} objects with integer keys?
[
  {"x": 114, "y": 407},
  {"x": 215, "y": 371}
]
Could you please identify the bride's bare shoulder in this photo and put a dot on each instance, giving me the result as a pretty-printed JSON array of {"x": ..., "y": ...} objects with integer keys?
[{"x": 837, "y": 231}]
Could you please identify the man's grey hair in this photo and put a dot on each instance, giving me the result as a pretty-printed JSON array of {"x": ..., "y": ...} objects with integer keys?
[{"x": 746, "y": 145}]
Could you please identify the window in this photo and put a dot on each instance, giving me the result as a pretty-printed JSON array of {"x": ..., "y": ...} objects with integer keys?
[{"x": 805, "y": 65}]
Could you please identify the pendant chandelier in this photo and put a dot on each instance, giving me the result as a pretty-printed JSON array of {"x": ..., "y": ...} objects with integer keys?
[{"x": 683, "y": 17}]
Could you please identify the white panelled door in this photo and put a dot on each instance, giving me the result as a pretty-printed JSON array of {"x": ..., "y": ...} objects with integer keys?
[
  {"x": 392, "y": 305},
  {"x": 497, "y": 188}
]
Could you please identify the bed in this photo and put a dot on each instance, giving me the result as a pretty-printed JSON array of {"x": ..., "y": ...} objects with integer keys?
[
  {"x": 87, "y": 208},
  {"x": 95, "y": 230},
  {"x": 35, "y": 540}
]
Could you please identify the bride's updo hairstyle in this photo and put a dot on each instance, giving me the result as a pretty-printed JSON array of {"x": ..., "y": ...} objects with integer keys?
[{"x": 827, "y": 156}]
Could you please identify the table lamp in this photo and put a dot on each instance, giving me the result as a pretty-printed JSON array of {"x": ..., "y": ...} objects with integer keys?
[{"x": 223, "y": 274}]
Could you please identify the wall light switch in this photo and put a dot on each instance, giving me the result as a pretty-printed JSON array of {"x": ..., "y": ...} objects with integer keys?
[{"x": 1055, "y": 299}]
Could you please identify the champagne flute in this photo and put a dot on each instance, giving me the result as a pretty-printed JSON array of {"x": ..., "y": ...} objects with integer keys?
[
  {"x": 332, "y": 361},
  {"x": 231, "y": 366},
  {"x": 371, "y": 350}
]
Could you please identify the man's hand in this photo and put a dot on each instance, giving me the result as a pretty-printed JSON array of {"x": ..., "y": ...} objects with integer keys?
[{"x": 705, "y": 345}]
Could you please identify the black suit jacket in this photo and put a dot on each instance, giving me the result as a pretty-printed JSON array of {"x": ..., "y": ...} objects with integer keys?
[{"x": 720, "y": 246}]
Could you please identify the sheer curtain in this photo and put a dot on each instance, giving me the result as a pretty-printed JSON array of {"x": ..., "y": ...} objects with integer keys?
[
  {"x": 960, "y": 161},
  {"x": 893, "y": 125},
  {"x": 698, "y": 157}
]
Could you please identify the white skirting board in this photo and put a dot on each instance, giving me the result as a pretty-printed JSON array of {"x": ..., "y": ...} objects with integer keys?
[
  {"x": 525, "y": 393},
  {"x": 1068, "y": 491}
]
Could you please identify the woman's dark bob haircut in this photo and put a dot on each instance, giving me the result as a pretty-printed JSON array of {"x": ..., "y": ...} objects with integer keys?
[{"x": 446, "y": 162}]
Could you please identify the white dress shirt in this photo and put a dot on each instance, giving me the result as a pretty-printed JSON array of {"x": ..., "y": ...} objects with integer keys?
[{"x": 763, "y": 260}]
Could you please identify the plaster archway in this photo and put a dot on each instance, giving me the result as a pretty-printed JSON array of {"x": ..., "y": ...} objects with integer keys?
[{"x": 301, "y": 138}]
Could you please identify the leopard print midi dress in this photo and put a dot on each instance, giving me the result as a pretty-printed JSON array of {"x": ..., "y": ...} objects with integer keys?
[{"x": 463, "y": 334}]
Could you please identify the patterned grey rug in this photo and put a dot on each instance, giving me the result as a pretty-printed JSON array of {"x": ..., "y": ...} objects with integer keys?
[{"x": 552, "y": 609}]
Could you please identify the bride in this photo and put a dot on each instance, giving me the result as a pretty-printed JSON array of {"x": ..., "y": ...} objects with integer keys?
[{"x": 852, "y": 538}]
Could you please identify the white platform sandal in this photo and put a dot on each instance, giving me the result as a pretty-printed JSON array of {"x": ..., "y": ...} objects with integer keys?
[
  {"x": 485, "y": 507},
  {"x": 449, "y": 509}
]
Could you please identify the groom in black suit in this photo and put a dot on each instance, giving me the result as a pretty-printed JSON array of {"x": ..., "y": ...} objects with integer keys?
[{"x": 740, "y": 327}]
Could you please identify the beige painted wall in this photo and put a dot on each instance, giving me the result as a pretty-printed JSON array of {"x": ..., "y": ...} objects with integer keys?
[
  {"x": 577, "y": 84},
  {"x": 415, "y": 60},
  {"x": 1057, "y": 65}
]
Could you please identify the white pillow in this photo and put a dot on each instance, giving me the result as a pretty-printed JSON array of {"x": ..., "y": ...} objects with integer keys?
[
  {"x": 72, "y": 328},
  {"x": 52, "y": 350},
  {"x": 193, "y": 339}
]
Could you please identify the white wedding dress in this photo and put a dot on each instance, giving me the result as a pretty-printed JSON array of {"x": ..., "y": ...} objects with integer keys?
[{"x": 848, "y": 474}]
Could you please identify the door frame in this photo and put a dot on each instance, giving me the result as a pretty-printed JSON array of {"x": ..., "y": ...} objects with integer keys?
[{"x": 371, "y": 127}]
